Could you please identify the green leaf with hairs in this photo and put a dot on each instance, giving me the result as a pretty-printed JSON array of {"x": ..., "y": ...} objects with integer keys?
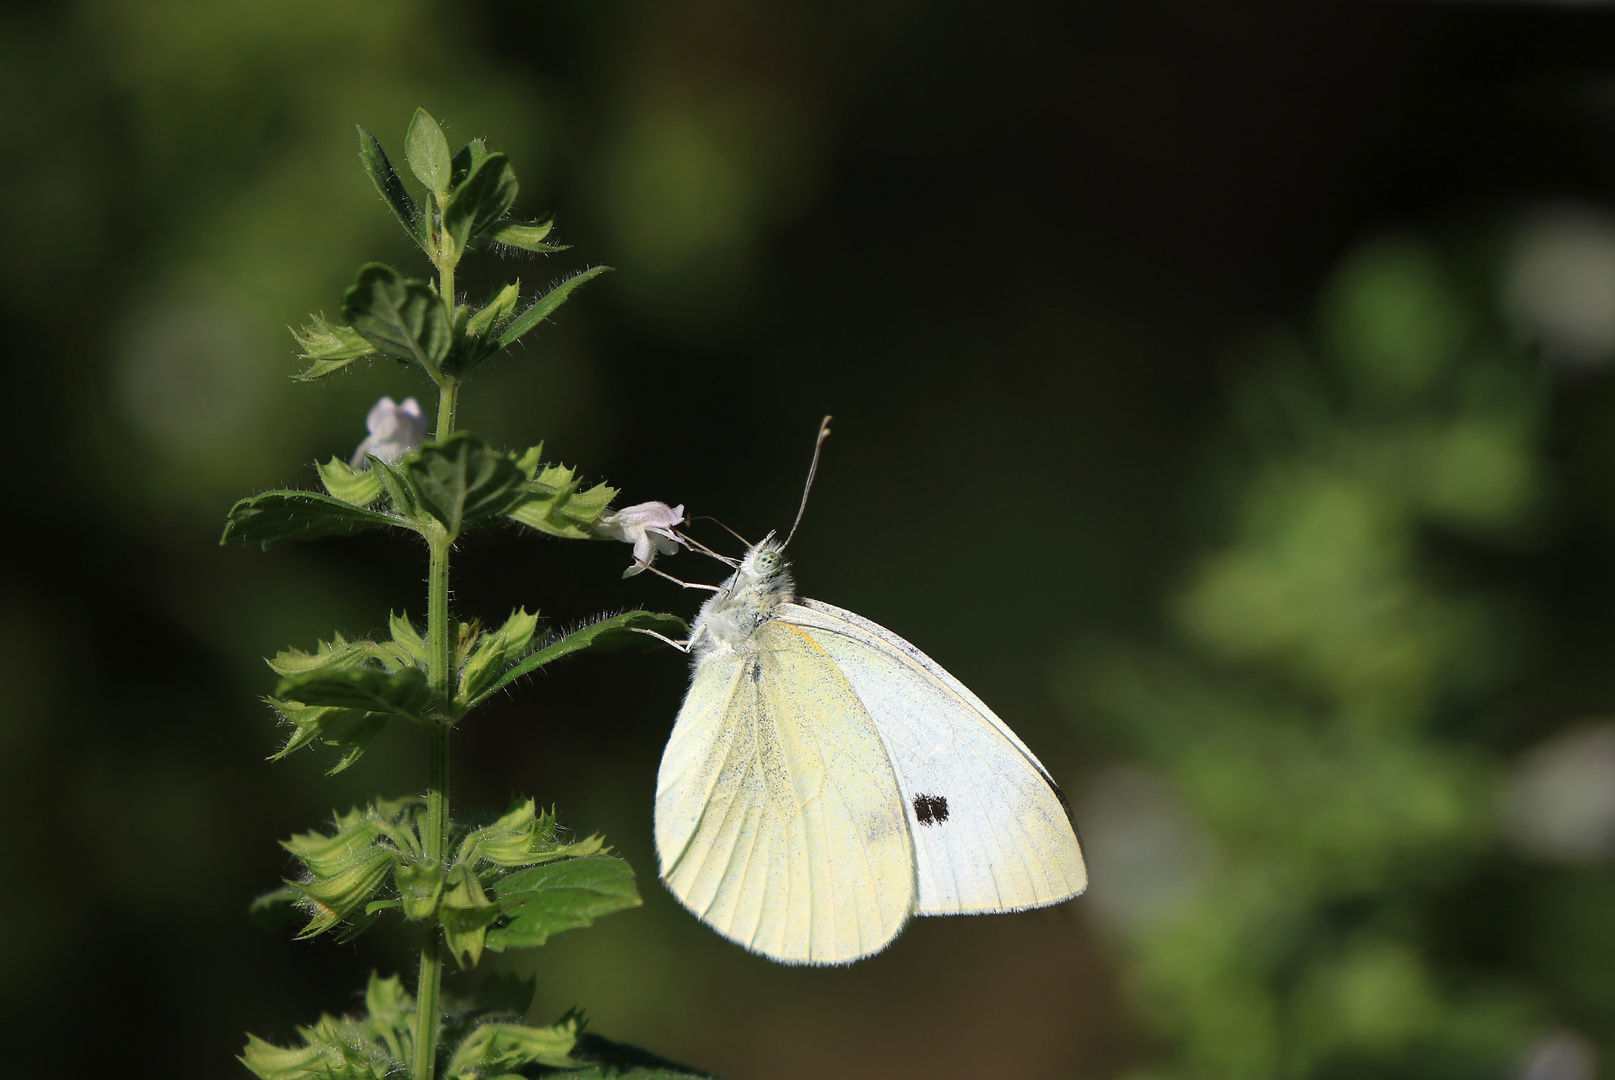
[
  {"x": 339, "y": 652},
  {"x": 404, "y": 692},
  {"x": 407, "y": 638},
  {"x": 545, "y": 306},
  {"x": 485, "y": 196},
  {"x": 497, "y": 1048},
  {"x": 427, "y": 151},
  {"x": 377, "y": 1045},
  {"x": 343, "y": 481},
  {"x": 277, "y": 517},
  {"x": 522, "y": 837},
  {"x": 329, "y": 347},
  {"x": 494, "y": 653},
  {"x": 461, "y": 482},
  {"x": 553, "y": 504},
  {"x": 479, "y": 337},
  {"x": 353, "y": 729},
  {"x": 545, "y": 900},
  {"x": 389, "y": 184},
  {"x": 526, "y": 235},
  {"x": 609, "y": 634},
  {"x": 400, "y": 316},
  {"x": 344, "y": 869}
]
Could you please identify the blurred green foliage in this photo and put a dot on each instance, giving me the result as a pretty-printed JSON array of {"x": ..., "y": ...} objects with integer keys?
[{"x": 1315, "y": 719}]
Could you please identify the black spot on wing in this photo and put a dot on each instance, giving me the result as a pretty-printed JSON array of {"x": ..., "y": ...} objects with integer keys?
[
  {"x": 931, "y": 809},
  {"x": 756, "y": 673}
]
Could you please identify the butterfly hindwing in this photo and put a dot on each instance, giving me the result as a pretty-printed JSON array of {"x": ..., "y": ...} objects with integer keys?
[
  {"x": 779, "y": 820},
  {"x": 991, "y": 832}
]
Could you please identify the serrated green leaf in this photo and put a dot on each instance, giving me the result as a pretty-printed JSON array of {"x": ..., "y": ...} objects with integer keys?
[
  {"x": 494, "y": 652},
  {"x": 332, "y": 898},
  {"x": 545, "y": 900},
  {"x": 427, "y": 151},
  {"x": 465, "y": 913},
  {"x": 277, "y": 517},
  {"x": 389, "y": 184},
  {"x": 545, "y": 306},
  {"x": 350, "y": 485},
  {"x": 325, "y": 1055},
  {"x": 461, "y": 482},
  {"x": 373, "y": 1047},
  {"x": 526, "y": 235},
  {"x": 529, "y": 461},
  {"x": 486, "y": 196},
  {"x": 389, "y": 1004},
  {"x": 406, "y": 637},
  {"x": 553, "y": 504},
  {"x": 522, "y": 837},
  {"x": 603, "y": 635},
  {"x": 345, "y": 867},
  {"x": 494, "y": 1047},
  {"x": 355, "y": 729},
  {"x": 404, "y": 692},
  {"x": 400, "y": 316},
  {"x": 332, "y": 1050},
  {"x": 329, "y": 347},
  {"x": 338, "y": 652}
]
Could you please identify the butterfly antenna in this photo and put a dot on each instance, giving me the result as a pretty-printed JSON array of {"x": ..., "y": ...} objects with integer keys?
[
  {"x": 725, "y": 528},
  {"x": 818, "y": 444}
]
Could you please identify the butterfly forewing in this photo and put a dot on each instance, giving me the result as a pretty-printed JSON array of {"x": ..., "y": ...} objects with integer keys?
[
  {"x": 991, "y": 832},
  {"x": 779, "y": 819}
]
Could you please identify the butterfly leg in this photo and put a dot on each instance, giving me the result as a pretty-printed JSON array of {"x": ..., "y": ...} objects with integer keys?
[
  {"x": 677, "y": 581},
  {"x": 681, "y": 646}
]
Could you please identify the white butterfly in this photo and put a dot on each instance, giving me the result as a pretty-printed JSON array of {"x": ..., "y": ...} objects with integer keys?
[{"x": 825, "y": 780}]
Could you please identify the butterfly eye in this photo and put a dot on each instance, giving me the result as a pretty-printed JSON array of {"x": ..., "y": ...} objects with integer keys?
[{"x": 767, "y": 562}]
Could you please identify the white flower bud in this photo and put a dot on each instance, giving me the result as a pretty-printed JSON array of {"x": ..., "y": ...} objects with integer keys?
[{"x": 395, "y": 430}]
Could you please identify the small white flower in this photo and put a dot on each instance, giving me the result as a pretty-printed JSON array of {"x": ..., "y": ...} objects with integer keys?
[
  {"x": 395, "y": 430},
  {"x": 648, "y": 526}
]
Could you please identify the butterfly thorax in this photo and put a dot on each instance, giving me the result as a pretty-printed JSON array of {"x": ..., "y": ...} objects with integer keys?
[{"x": 748, "y": 599}]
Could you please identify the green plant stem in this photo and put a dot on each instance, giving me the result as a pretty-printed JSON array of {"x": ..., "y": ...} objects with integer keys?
[
  {"x": 448, "y": 402},
  {"x": 428, "y": 989},
  {"x": 440, "y": 672},
  {"x": 448, "y": 399},
  {"x": 429, "y": 986}
]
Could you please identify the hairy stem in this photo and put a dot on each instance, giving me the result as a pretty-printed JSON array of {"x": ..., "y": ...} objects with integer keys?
[
  {"x": 429, "y": 987},
  {"x": 428, "y": 990},
  {"x": 440, "y": 671},
  {"x": 448, "y": 399}
]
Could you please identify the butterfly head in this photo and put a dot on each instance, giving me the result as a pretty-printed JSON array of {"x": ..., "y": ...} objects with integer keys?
[{"x": 764, "y": 561}]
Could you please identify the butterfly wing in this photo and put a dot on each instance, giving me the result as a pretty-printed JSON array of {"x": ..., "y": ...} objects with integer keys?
[
  {"x": 991, "y": 830},
  {"x": 778, "y": 817}
]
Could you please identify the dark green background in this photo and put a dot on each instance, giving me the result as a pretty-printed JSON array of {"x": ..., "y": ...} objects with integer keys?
[{"x": 1018, "y": 249}]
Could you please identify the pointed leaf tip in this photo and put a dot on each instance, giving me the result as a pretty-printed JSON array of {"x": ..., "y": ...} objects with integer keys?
[{"x": 545, "y": 306}]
